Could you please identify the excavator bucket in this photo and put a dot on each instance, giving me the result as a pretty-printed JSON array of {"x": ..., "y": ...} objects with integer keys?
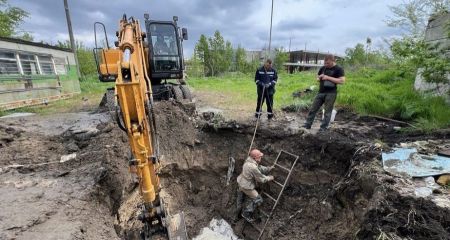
[{"x": 177, "y": 227}]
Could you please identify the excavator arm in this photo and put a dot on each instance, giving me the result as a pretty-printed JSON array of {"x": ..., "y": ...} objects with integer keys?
[{"x": 135, "y": 110}]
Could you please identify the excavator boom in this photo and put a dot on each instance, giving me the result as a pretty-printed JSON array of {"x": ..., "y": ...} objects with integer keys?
[{"x": 135, "y": 112}]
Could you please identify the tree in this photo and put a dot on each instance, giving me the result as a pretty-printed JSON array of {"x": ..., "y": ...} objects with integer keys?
[
  {"x": 203, "y": 54},
  {"x": 240, "y": 59},
  {"x": 10, "y": 18},
  {"x": 412, "y": 15},
  {"x": 412, "y": 52},
  {"x": 85, "y": 58},
  {"x": 194, "y": 67},
  {"x": 26, "y": 36},
  {"x": 227, "y": 59},
  {"x": 355, "y": 56},
  {"x": 361, "y": 55},
  {"x": 215, "y": 53},
  {"x": 281, "y": 57}
]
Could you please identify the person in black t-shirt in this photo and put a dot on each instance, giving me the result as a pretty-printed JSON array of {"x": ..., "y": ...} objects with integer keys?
[{"x": 329, "y": 76}]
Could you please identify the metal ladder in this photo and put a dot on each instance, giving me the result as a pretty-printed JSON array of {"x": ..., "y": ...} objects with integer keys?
[{"x": 273, "y": 199}]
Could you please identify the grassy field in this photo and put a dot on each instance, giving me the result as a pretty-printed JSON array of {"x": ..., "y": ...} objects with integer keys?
[{"x": 387, "y": 93}]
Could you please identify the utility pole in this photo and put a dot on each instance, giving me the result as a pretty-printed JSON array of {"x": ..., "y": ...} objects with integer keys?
[
  {"x": 290, "y": 40},
  {"x": 270, "y": 34},
  {"x": 72, "y": 41}
]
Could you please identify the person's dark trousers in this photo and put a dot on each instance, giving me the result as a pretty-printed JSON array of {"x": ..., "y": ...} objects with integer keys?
[
  {"x": 326, "y": 99},
  {"x": 268, "y": 98}
]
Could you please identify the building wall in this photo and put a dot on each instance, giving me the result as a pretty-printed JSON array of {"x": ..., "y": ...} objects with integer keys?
[
  {"x": 436, "y": 33},
  {"x": 254, "y": 55},
  {"x": 51, "y": 75},
  {"x": 34, "y": 49}
]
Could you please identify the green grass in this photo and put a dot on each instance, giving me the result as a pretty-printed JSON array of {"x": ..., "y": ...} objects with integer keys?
[
  {"x": 241, "y": 88},
  {"x": 387, "y": 93},
  {"x": 390, "y": 93}
]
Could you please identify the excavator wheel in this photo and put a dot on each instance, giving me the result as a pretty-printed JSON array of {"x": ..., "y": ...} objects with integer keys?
[
  {"x": 186, "y": 92},
  {"x": 177, "y": 93}
]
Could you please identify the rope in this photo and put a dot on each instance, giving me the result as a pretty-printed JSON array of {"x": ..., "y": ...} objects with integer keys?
[{"x": 257, "y": 120}]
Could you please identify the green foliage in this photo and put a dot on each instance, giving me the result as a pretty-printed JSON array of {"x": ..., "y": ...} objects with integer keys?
[
  {"x": 412, "y": 16},
  {"x": 281, "y": 57},
  {"x": 10, "y": 18},
  {"x": 356, "y": 55},
  {"x": 26, "y": 36},
  {"x": 86, "y": 60},
  {"x": 390, "y": 93},
  {"x": 362, "y": 56},
  {"x": 88, "y": 68},
  {"x": 194, "y": 67},
  {"x": 411, "y": 53},
  {"x": 215, "y": 53},
  {"x": 240, "y": 59}
]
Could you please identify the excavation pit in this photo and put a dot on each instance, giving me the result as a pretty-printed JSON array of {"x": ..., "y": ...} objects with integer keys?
[
  {"x": 334, "y": 192},
  {"x": 337, "y": 190}
]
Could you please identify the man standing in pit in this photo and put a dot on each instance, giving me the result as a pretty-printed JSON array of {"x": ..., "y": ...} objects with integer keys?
[
  {"x": 252, "y": 173},
  {"x": 329, "y": 76},
  {"x": 265, "y": 78}
]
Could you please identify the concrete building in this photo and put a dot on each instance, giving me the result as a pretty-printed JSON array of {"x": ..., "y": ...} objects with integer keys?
[
  {"x": 298, "y": 60},
  {"x": 436, "y": 33},
  {"x": 35, "y": 73},
  {"x": 254, "y": 55},
  {"x": 304, "y": 60}
]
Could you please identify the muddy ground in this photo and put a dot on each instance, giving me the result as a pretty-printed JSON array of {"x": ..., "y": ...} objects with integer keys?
[{"x": 337, "y": 190}]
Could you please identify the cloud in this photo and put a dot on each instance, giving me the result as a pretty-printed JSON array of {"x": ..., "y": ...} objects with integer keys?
[
  {"x": 298, "y": 24},
  {"x": 328, "y": 25},
  {"x": 96, "y": 15}
]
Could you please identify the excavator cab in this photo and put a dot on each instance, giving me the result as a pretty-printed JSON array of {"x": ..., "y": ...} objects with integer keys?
[
  {"x": 166, "y": 55},
  {"x": 163, "y": 50}
]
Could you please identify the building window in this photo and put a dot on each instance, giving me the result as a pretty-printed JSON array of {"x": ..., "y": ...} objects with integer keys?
[
  {"x": 46, "y": 65},
  {"x": 29, "y": 65},
  {"x": 60, "y": 65},
  {"x": 8, "y": 63}
]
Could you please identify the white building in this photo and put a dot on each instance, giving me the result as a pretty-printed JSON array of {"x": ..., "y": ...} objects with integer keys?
[{"x": 34, "y": 73}]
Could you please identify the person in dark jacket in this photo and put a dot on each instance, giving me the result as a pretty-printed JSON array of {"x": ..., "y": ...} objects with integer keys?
[
  {"x": 329, "y": 76},
  {"x": 265, "y": 79}
]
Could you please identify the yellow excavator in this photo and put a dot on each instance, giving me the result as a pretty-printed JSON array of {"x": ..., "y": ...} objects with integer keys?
[{"x": 141, "y": 65}]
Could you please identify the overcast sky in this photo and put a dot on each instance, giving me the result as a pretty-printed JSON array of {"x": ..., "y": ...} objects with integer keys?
[{"x": 328, "y": 25}]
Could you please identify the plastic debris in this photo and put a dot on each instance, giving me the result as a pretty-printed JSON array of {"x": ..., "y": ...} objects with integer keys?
[
  {"x": 408, "y": 161},
  {"x": 218, "y": 229},
  {"x": 69, "y": 157},
  {"x": 423, "y": 192}
]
